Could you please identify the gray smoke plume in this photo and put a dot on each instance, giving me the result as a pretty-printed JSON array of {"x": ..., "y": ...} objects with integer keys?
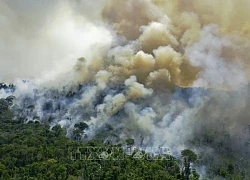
[{"x": 166, "y": 73}]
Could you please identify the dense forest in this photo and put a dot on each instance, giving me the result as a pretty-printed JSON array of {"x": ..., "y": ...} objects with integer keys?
[
  {"x": 34, "y": 151},
  {"x": 125, "y": 89}
]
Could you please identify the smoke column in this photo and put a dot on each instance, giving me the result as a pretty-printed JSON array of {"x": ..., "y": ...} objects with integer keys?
[{"x": 165, "y": 71}]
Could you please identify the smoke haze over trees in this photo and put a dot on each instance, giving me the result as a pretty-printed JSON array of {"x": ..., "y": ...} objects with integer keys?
[{"x": 171, "y": 74}]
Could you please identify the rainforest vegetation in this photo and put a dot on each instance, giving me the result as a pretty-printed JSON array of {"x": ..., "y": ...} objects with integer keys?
[{"x": 34, "y": 151}]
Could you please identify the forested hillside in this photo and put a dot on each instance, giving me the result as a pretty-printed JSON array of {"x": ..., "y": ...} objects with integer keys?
[
  {"x": 125, "y": 89},
  {"x": 32, "y": 151}
]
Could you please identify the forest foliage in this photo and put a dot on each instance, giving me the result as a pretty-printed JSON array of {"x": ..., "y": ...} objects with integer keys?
[{"x": 30, "y": 151}]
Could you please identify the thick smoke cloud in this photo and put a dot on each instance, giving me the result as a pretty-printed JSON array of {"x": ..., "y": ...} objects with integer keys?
[
  {"x": 44, "y": 38},
  {"x": 166, "y": 73}
]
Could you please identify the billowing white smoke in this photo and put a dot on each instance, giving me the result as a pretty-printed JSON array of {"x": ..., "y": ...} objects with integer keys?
[
  {"x": 121, "y": 67},
  {"x": 208, "y": 53},
  {"x": 43, "y": 39}
]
